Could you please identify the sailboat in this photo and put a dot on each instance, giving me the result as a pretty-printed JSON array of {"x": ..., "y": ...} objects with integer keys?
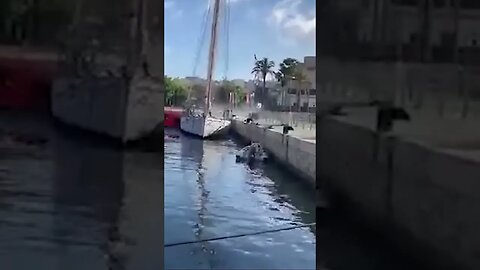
[
  {"x": 202, "y": 123},
  {"x": 117, "y": 97}
]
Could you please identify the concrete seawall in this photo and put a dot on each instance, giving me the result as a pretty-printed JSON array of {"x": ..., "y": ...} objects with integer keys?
[
  {"x": 296, "y": 153},
  {"x": 430, "y": 195}
]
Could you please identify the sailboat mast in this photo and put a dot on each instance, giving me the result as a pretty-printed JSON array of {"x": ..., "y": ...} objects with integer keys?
[{"x": 212, "y": 55}]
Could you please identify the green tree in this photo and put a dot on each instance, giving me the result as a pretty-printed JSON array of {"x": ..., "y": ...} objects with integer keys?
[
  {"x": 197, "y": 92},
  {"x": 240, "y": 95},
  {"x": 286, "y": 72},
  {"x": 261, "y": 69},
  {"x": 223, "y": 92},
  {"x": 175, "y": 92},
  {"x": 300, "y": 78}
]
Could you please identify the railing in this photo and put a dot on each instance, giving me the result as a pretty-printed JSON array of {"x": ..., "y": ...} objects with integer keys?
[
  {"x": 433, "y": 89},
  {"x": 295, "y": 119}
]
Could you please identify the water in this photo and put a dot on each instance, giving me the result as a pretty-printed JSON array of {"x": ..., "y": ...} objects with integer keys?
[
  {"x": 208, "y": 195},
  {"x": 76, "y": 203}
]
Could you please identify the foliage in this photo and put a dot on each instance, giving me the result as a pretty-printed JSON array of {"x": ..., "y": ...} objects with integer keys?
[
  {"x": 286, "y": 70},
  {"x": 261, "y": 69},
  {"x": 175, "y": 91},
  {"x": 197, "y": 91},
  {"x": 300, "y": 78},
  {"x": 223, "y": 92}
]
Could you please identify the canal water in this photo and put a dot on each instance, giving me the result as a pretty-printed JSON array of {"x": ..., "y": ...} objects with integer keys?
[
  {"x": 75, "y": 202},
  {"x": 208, "y": 194}
]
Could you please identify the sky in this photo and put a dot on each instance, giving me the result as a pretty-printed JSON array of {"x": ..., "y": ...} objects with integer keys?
[{"x": 275, "y": 29}]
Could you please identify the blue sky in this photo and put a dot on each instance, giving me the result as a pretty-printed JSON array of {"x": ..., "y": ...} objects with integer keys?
[{"x": 276, "y": 29}]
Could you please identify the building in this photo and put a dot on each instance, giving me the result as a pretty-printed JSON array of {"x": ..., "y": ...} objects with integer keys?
[
  {"x": 301, "y": 92},
  {"x": 415, "y": 30}
]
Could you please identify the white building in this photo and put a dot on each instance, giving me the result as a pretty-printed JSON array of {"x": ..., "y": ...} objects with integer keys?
[{"x": 304, "y": 91}]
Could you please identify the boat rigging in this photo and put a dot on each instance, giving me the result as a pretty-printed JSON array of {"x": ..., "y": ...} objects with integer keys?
[{"x": 207, "y": 125}]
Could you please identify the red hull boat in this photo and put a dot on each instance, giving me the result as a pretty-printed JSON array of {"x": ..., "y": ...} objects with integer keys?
[
  {"x": 172, "y": 116},
  {"x": 25, "y": 79}
]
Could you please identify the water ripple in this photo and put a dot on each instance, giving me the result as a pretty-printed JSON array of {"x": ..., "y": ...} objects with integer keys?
[{"x": 208, "y": 195}]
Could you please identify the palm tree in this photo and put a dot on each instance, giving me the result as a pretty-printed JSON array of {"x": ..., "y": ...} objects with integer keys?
[
  {"x": 261, "y": 69},
  {"x": 286, "y": 72},
  {"x": 300, "y": 77}
]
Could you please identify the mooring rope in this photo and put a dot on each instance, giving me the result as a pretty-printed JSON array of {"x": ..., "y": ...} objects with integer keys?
[
  {"x": 202, "y": 37},
  {"x": 227, "y": 36},
  {"x": 238, "y": 235}
]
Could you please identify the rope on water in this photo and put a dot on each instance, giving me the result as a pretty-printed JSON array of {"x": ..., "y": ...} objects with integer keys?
[{"x": 239, "y": 235}]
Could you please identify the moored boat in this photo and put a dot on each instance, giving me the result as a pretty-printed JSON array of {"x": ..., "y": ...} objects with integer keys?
[
  {"x": 112, "y": 91},
  {"x": 172, "y": 117},
  {"x": 25, "y": 78},
  {"x": 204, "y": 124}
]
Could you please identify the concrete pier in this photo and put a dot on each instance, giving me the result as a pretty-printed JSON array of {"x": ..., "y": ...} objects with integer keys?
[
  {"x": 424, "y": 196},
  {"x": 406, "y": 187},
  {"x": 294, "y": 151}
]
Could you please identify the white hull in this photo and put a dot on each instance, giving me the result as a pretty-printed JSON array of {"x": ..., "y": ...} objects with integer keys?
[
  {"x": 204, "y": 127},
  {"x": 102, "y": 106}
]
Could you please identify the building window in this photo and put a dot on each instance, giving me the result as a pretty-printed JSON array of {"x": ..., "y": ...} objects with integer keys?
[{"x": 312, "y": 92}]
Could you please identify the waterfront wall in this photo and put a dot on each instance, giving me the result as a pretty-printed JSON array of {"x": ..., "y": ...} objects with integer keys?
[
  {"x": 427, "y": 195},
  {"x": 297, "y": 154}
]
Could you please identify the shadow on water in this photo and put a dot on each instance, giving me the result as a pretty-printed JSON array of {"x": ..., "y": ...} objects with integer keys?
[
  {"x": 287, "y": 189},
  {"x": 60, "y": 204},
  {"x": 193, "y": 148},
  {"x": 89, "y": 189}
]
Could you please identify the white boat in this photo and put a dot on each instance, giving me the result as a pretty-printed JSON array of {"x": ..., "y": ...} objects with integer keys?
[
  {"x": 127, "y": 106},
  {"x": 126, "y": 112},
  {"x": 204, "y": 124}
]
